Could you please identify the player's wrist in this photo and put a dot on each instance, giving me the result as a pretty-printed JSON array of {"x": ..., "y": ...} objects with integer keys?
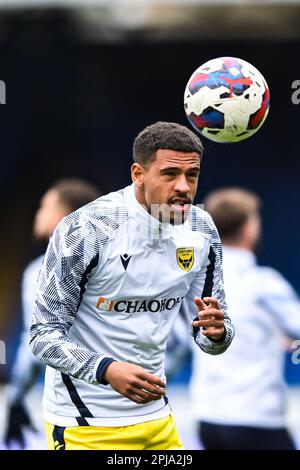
[{"x": 101, "y": 373}]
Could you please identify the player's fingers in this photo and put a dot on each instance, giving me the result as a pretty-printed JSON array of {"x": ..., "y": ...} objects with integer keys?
[
  {"x": 145, "y": 395},
  {"x": 212, "y": 301},
  {"x": 133, "y": 397},
  {"x": 139, "y": 396},
  {"x": 152, "y": 379},
  {"x": 200, "y": 304},
  {"x": 211, "y": 313},
  {"x": 153, "y": 389},
  {"x": 213, "y": 332},
  {"x": 209, "y": 323}
]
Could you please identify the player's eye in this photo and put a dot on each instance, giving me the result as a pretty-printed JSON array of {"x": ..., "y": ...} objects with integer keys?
[{"x": 169, "y": 173}]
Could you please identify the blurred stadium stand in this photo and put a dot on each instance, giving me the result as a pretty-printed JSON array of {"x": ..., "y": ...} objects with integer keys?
[{"x": 119, "y": 20}]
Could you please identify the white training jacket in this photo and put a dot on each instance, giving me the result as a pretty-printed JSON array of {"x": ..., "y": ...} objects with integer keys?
[
  {"x": 245, "y": 386},
  {"x": 112, "y": 282}
]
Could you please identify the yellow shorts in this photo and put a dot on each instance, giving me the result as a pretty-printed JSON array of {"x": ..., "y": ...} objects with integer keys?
[{"x": 160, "y": 434}]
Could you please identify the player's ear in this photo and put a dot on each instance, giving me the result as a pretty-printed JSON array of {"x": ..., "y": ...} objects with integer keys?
[{"x": 137, "y": 174}]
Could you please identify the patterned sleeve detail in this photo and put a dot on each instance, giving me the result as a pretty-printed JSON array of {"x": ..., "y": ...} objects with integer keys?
[
  {"x": 213, "y": 285},
  {"x": 72, "y": 255}
]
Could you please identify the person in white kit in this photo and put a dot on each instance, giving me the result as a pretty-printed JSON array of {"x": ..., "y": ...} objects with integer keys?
[
  {"x": 114, "y": 277},
  {"x": 239, "y": 399},
  {"x": 62, "y": 198}
]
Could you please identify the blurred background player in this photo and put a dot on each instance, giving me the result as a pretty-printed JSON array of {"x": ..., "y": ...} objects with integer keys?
[
  {"x": 239, "y": 400},
  {"x": 64, "y": 197}
]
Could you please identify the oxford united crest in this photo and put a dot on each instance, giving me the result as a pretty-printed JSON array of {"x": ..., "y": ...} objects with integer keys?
[{"x": 185, "y": 258}]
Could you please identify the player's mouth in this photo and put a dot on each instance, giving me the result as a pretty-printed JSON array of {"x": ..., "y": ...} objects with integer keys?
[{"x": 179, "y": 204}]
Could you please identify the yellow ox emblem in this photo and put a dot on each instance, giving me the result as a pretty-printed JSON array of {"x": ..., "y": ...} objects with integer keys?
[{"x": 185, "y": 258}]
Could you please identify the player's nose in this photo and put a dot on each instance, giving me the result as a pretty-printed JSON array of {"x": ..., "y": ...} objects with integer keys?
[{"x": 181, "y": 185}]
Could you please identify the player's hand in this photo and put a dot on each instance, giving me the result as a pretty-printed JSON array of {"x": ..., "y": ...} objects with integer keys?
[
  {"x": 210, "y": 317},
  {"x": 134, "y": 382},
  {"x": 17, "y": 420}
]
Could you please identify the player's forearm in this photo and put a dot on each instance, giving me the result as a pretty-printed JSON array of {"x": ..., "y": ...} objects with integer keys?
[
  {"x": 212, "y": 346},
  {"x": 53, "y": 347}
]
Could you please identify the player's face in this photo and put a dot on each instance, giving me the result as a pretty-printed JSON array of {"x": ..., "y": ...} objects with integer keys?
[
  {"x": 48, "y": 215},
  {"x": 170, "y": 182}
]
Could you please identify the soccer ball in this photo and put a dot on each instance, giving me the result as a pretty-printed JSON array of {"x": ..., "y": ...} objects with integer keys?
[{"x": 226, "y": 99}]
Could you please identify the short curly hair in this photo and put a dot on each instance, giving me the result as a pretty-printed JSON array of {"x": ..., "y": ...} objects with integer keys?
[{"x": 164, "y": 135}]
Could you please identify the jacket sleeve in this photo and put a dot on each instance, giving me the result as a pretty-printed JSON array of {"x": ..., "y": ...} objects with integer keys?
[
  {"x": 211, "y": 278},
  {"x": 71, "y": 256}
]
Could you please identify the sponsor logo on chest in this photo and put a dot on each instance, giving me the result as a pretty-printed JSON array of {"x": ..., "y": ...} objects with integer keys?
[{"x": 141, "y": 305}]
